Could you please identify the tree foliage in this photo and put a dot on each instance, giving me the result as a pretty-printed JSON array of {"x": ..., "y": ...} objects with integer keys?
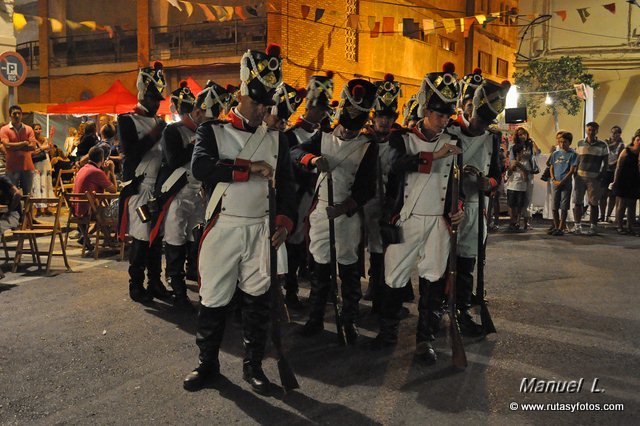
[{"x": 551, "y": 75}]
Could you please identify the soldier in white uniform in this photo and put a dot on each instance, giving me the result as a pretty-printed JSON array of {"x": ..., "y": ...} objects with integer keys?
[
  {"x": 235, "y": 161},
  {"x": 316, "y": 116},
  {"x": 352, "y": 160},
  {"x": 483, "y": 101},
  {"x": 385, "y": 113},
  {"x": 140, "y": 133},
  {"x": 419, "y": 200},
  {"x": 287, "y": 100}
]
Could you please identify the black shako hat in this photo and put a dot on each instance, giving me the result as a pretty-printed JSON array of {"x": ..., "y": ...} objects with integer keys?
[
  {"x": 410, "y": 110},
  {"x": 287, "y": 100},
  {"x": 182, "y": 99},
  {"x": 357, "y": 99},
  {"x": 213, "y": 99},
  {"x": 261, "y": 74},
  {"x": 320, "y": 91},
  {"x": 439, "y": 91},
  {"x": 469, "y": 83},
  {"x": 151, "y": 82},
  {"x": 387, "y": 94},
  {"x": 489, "y": 99}
]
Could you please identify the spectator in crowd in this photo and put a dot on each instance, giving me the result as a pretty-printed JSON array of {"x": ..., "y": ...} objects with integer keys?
[
  {"x": 494, "y": 200},
  {"x": 517, "y": 182},
  {"x": 89, "y": 139},
  {"x": 109, "y": 136},
  {"x": 19, "y": 141},
  {"x": 59, "y": 161},
  {"x": 626, "y": 185},
  {"x": 42, "y": 183},
  {"x": 91, "y": 177},
  {"x": 529, "y": 151},
  {"x": 10, "y": 196},
  {"x": 70, "y": 143},
  {"x": 608, "y": 200},
  {"x": 563, "y": 164},
  {"x": 593, "y": 155}
]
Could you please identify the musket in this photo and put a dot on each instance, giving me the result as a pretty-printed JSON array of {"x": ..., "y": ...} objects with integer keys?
[
  {"x": 485, "y": 316},
  {"x": 458, "y": 356},
  {"x": 287, "y": 377},
  {"x": 335, "y": 292}
]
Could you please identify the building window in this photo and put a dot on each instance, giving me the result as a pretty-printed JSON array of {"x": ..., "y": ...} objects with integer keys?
[
  {"x": 502, "y": 68},
  {"x": 447, "y": 44},
  {"x": 485, "y": 62}
]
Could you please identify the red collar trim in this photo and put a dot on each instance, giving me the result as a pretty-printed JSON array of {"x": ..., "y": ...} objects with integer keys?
[
  {"x": 236, "y": 121},
  {"x": 189, "y": 123}
]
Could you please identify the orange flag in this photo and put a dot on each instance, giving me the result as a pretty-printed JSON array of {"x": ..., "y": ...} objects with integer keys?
[
  {"x": 387, "y": 26},
  {"x": 561, "y": 13},
  {"x": 207, "y": 12},
  {"x": 240, "y": 13}
]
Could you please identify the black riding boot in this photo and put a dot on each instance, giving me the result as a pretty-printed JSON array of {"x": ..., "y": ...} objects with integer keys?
[
  {"x": 175, "y": 257},
  {"x": 154, "y": 272},
  {"x": 390, "y": 305},
  {"x": 429, "y": 317},
  {"x": 295, "y": 256},
  {"x": 408, "y": 295},
  {"x": 351, "y": 295},
  {"x": 320, "y": 283},
  {"x": 376, "y": 280},
  {"x": 192, "y": 261},
  {"x": 211, "y": 322},
  {"x": 255, "y": 323},
  {"x": 464, "y": 290},
  {"x": 137, "y": 261}
]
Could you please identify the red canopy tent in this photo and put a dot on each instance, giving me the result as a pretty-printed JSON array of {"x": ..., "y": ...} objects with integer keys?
[
  {"x": 117, "y": 100},
  {"x": 165, "y": 106}
]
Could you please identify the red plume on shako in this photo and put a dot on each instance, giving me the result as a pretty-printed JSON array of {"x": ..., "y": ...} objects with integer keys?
[{"x": 329, "y": 74}]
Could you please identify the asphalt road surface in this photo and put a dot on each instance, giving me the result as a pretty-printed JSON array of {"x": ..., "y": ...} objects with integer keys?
[{"x": 75, "y": 350}]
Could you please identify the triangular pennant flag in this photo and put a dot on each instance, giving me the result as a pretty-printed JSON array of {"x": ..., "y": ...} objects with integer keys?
[
  {"x": 207, "y": 12},
  {"x": 304, "y": 10},
  {"x": 354, "y": 21},
  {"x": 372, "y": 22},
  {"x": 228, "y": 13},
  {"x": 428, "y": 26},
  {"x": 410, "y": 28},
  {"x": 188, "y": 7},
  {"x": 584, "y": 14},
  {"x": 489, "y": 20},
  {"x": 272, "y": 7},
  {"x": 175, "y": 4},
  {"x": 240, "y": 13},
  {"x": 89, "y": 24},
  {"x": 611, "y": 7},
  {"x": 388, "y": 27},
  {"x": 19, "y": 21},
  {"x": 462, "y": 24},
  {"x": 469, "y": 21},
  {"x": 496, "y": 14},
  {"x": 561, "y": 13},
  {"x": 73, "y": 25},
  {"x": 250, "y": 10},
  {"x": 375, "y": 32},
  {"x": 449, "y": 25},
  {"x": 481, "y": 19},
  {"x": 319, "y": 13},
  {"x": 38, "y": 19},
  {"x": 107, "y": 28},
  {"x": 56, "y": 26}
]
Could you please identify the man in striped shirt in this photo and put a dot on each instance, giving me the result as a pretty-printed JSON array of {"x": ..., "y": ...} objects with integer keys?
[{"x": 592, "y": 163}]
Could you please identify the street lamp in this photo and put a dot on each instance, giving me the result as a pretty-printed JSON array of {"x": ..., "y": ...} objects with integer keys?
[
  {"x": 512, "y": 97},
  {"x": 548, "y": 100}
]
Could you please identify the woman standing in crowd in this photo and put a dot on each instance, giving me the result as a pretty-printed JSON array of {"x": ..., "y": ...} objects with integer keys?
[
  {"x": 70, "y": 143},
  {"x": 89, "y": 139},
  {"x": 42, "y": 184},
  {"x": 626, "y": 185},
  {"x": 529, "y": 151},
  {"x": 608, "y": 200}
]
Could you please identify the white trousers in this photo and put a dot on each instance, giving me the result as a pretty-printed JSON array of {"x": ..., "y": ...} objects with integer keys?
[
  {"x": 426, "y": 242},
  {"x": 468, "y": 230},
  {"x": 235, "y": 252},
  {"x": 42, "y": 183},
  {"x": 348, "y": 235},
  {"x": 185, "y": 212}
]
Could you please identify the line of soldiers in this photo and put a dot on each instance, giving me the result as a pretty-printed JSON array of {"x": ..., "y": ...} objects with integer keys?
[{"x": 394, "y": 182}]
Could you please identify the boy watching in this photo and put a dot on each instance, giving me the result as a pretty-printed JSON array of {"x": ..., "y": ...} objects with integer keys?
[
  {"x": 516, "y": 188},
  {"x": 564, "y": 162}
]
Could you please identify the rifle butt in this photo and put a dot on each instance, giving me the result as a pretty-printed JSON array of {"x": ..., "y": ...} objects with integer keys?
[
  {"x": 458, "y": 355},
  {"x": 287, "y": 377},
  {"x": 485, "y": 318}
]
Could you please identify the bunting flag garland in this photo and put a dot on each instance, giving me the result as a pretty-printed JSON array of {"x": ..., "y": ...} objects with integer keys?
[
  {"x": 240, "y": 13},
  {"x": 73, "y": 25},
  {"x": 481, "y": 19},
  {"x": 584, "y": 14},
  {"x": 462, "y": 21},
  {"x": 188, "y": 7},
  {"x": 354, "y": 21},
  {"x": 428, "y": 26},
  {"x": 375, "y": 32},
  {"x": 207, "y": 12},
  {"x": 319, "y": 13},
  {"x": 562, "y": 14},
  {"x": 19, "y": 21},
  {"x": 305, "y": 10},
  {"x": 611, "y": 7},
  {"x": 56, "y": 26},
  {"x": 251, "y": 11},
  {"x": 372, "y": 22},
  {"x": 175, "y": 4},
  {"x": 90, "y": 24},
  {"x": 388, "y": 28},
  {"x": 449, "y": 25}
]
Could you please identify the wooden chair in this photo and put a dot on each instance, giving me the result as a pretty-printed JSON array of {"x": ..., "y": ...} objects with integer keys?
[
  {"x": 106, "y": 226},
  {"x": 31, "y": 232},
  {"x": 73, "y": 199},
  {"x": 64, "y": 184}
]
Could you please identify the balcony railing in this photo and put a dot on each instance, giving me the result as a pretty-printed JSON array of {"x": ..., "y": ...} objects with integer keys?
[
  {"x": 93, "y": 49},
  {"x": 30, "y": 51},
  {"x": 208, "y": 39}
]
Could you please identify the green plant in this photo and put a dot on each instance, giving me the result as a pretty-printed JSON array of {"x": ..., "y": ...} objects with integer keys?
[{"x": 553, "y": 75}]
